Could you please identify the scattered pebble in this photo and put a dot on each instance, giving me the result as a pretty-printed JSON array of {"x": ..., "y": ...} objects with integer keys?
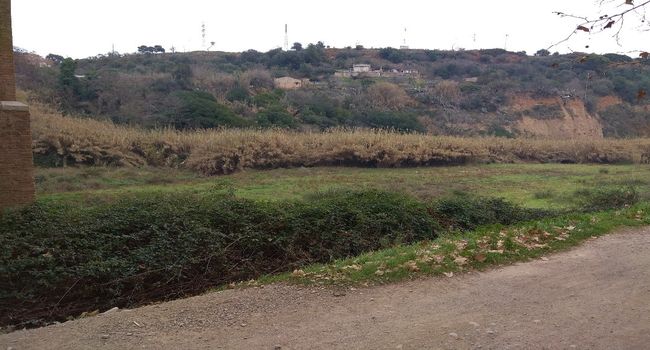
[
  {"x": 537, "y": 321},
  {"x": 544, "y": 258},
  {"x": 474, "y": 324},
  {"x": 129, "y": 334},
  {"x": 453, "y": 335},
  {"x": 104, "y": 336},
  {"x": 243, "y": 325},
  {"x": 489, "y": 331}
]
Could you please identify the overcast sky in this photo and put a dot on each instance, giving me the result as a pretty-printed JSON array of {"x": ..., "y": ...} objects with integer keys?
[{"x": 82, "y": 28}]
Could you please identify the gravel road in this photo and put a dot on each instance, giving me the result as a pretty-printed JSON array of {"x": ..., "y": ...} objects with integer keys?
[{"x": 596, "y": 296}]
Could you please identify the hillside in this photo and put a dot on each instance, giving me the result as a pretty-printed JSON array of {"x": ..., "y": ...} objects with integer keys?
[{"x": 486, "y": 92}]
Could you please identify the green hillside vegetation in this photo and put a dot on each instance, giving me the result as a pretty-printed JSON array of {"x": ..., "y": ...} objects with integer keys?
[{"x": 442, "y": 92}]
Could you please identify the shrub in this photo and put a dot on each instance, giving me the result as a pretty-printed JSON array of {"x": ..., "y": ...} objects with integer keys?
[
  {"x": 384, "y": 95},
  {"x": 238, "y": 93},
  {"x": 465, "y": 212},
  {"x": 391, "y": 54},
  {"x": 276, "y": 116},
  {"x": 60, "y": 260},
  {"x": 606, "y": 198},
  {"x": 268, "y": 99},
  {"x": 199, "y": 109}
]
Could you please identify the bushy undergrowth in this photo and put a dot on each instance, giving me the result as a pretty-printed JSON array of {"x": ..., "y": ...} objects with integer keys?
[
  {"x": 63, "y": 140},
  {"x": 605, "y": 198},
  {"x": 60, "y": 260},
  {"x": 465, "y": 212}
]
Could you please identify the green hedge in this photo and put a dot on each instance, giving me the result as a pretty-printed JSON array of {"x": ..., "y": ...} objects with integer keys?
[
  {"x": 62, "y": 260},
  {"x": 466, "y": 212}
]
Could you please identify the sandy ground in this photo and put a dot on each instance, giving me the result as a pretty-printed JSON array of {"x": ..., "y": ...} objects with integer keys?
[{"x": 596, "y": 296}]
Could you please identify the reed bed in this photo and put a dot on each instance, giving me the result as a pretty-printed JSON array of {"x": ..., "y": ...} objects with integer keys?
[{"x": 70, "y": 140}]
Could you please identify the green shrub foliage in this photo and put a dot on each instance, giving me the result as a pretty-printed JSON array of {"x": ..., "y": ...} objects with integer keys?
[
  {"x": 465, "y": 212},
  {"x": 607, "y": 198},
  {"x": 59, "y": 260}
]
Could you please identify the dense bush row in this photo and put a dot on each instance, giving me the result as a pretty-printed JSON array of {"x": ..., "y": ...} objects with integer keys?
[
  {"x": 60, "y": 259},
  {"x": 466, "y": 212}
]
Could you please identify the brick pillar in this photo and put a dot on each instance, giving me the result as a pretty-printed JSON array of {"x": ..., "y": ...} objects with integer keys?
[
  {"x": 7, "y": 73},
  {"x": 16, "y": 163}
]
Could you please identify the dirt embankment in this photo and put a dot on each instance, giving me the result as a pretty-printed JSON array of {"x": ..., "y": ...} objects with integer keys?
[
  {"x": 594, "y": 297},
  {"x": 572, "y": 120}
]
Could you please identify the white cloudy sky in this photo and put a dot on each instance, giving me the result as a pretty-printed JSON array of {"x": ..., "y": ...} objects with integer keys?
[{"x": 81, "y": 28}]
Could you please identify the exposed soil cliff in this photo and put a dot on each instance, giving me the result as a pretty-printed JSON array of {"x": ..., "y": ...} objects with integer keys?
[{"x": 566, "y": 118}]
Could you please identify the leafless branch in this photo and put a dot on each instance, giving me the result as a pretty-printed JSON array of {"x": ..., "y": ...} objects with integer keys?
[{"x": 604, "y": 22}]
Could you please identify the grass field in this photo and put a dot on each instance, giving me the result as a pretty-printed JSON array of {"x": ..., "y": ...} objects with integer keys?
[{"x": 532, "y": 185}]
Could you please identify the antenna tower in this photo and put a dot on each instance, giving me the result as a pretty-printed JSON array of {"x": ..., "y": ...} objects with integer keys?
[
  {"x": 404, "y": 46},
  {"x": 203, "y": 35},
  {"x": 286, "y": 37}
]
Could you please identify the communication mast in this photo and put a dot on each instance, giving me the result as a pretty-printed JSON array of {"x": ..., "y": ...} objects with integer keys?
[
  {"x": 286, "y": 37},
  {"x": 404, "y": 46},
  {"x": 203, "y": 35}
]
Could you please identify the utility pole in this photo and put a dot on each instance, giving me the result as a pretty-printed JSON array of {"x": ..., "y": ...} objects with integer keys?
[{"x": 16, "y": 162}]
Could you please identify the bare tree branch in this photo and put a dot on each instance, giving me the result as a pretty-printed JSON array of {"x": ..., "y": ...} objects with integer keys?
[{"x": 604, "y": 22}]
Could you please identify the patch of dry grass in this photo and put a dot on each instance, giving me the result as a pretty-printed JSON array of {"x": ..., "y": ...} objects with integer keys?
[{"x": 70, "y": 140}]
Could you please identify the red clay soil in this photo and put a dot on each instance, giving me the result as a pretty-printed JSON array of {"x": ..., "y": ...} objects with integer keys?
[{"x": 596, "y": 296}]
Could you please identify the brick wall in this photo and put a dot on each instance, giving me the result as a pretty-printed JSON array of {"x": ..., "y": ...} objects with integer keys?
[{"x": 16, "y": 164}]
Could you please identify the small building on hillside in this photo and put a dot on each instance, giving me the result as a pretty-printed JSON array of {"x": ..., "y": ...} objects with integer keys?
[
  {"x": 361, "y": 68},
  {"x": 287, "y": 83},
  {"x": 365, "y": 70}
]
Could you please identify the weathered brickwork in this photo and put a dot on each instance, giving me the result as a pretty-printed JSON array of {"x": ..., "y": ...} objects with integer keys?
[
  {"x": 7, "y": 76},
  {"x": 16, "y": 165}
]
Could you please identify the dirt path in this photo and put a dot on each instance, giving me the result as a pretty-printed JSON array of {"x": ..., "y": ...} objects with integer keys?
[{"x": 596, "y": 296}]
